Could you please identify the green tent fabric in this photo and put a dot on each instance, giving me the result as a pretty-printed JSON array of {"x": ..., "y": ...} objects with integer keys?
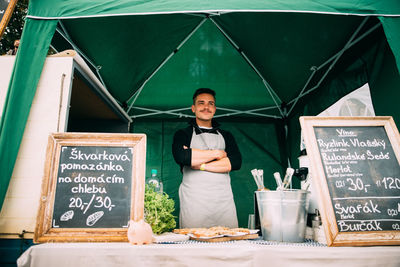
[
  {"x": 128, "y": 42},
  {"x": 391, "y": 26},
  {"x": 76, "y": 8},
  {"x": 198, "y": 63},
  {"x": 21, "y": 90}
]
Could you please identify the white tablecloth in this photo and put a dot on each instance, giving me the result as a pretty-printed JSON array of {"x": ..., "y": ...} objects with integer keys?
[{"x": 239, "y": 253}]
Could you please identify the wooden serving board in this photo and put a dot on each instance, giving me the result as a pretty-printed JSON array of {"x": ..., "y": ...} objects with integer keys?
[{"x": 226, "y": 238}]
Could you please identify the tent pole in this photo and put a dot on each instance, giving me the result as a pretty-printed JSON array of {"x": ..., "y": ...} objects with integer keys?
[
  {"x": 108, "y": 96},
  {"x": 206, "y": 14},
  {"x": 76, "y": 48},
  {"x": 137, "y": 93},
  {"x": 259, "y": 109},
  {"x": 65, "y": 35},
  {"x": 156, "y": 112},
  {"x": 52, "y": 47},
  {"x": 272, "y": 93},
  {"x": 352, "y": 41},
  {"x": 234, "y": 112},
  {"x": 243, "y": 112},
  {"x": 314, "y": 71},
  {"x": 286, "y": 132},
  {"x": 356, "y": 41}
]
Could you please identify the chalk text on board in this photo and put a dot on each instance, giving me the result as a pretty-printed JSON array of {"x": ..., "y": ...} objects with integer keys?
[
  {"x": 94, "y": 186},
  {"x": 367, "y": 207},
  {"x": 354, "y": 142},
  {"x": 100, "y": 179},
  {"x": 79, "y": 155},
  {"x": 363, "y": 177},
  {"x": 342, "y": 132},
  {"x": 368, "y": 143},
  {"x": 110, "y": 166},
  {"x": 389, "y": 183},
  {"x": 362, "y": 226},
  {"x": 99, "y": 202}
]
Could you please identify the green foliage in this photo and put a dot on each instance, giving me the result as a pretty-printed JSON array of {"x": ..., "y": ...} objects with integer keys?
[
  {"x": 13, "y": 30},
  {"x": 158, "y": 209}
]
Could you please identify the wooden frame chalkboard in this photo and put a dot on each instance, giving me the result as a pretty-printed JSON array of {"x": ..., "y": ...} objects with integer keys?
[
  {"x": 6, "y": 10},
  {"x": 355, "y": 166},
  {"x": 93, "y": 185}
]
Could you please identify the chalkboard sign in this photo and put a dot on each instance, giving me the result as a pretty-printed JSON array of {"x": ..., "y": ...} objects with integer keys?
[
  {"x": 356, "y": 164},
  {"x": 6, "y": 10},
  {"x": 93, "y": 186}
]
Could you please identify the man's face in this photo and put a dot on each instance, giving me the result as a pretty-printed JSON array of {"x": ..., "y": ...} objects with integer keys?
[{"x": 204, "y": 107}]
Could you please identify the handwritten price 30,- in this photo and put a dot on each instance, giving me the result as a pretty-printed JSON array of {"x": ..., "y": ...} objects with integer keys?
[
  {"x": 352, "y": 184},
  {"x": 97, "y": 202}
]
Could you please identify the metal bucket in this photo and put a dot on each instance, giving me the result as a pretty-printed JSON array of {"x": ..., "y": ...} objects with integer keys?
[{"x": 283, "y": 214}]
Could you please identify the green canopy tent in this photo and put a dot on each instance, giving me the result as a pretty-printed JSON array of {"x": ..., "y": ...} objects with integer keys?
[{"x": 269, "y": 61}]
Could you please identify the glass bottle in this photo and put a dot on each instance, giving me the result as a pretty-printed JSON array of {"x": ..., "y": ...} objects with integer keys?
[{"x": 155, "y": 181}]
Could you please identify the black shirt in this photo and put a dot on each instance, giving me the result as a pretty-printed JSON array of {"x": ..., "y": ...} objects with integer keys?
[{"x": 183, "y": 137}]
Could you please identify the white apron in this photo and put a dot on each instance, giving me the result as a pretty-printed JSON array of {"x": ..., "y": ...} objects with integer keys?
[{"x": 206, "y": 198}]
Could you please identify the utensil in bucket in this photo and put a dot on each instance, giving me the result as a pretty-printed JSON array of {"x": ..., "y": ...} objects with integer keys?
[{"x": 283, "y": 214}]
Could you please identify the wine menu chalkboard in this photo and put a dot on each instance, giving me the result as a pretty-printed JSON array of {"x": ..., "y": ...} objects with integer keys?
[
  {"x": 93, "y": 185},
  {"x": 363, "y": 177},
  {"x": 355, "y": 166}
]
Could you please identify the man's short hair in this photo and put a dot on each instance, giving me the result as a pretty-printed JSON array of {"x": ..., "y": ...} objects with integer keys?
[{"x": 203, "y": 91}]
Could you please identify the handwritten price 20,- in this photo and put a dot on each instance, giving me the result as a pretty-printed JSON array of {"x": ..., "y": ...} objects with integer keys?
[{"x": 97, "y": 202}]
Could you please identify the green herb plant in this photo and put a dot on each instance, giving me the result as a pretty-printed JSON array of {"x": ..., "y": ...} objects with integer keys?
[{"x": 158, "y": 208}]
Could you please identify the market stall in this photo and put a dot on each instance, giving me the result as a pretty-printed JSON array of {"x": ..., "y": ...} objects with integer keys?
[
  {"x": 270, "y": 62},
  {"x": 276, "y": 76}
]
